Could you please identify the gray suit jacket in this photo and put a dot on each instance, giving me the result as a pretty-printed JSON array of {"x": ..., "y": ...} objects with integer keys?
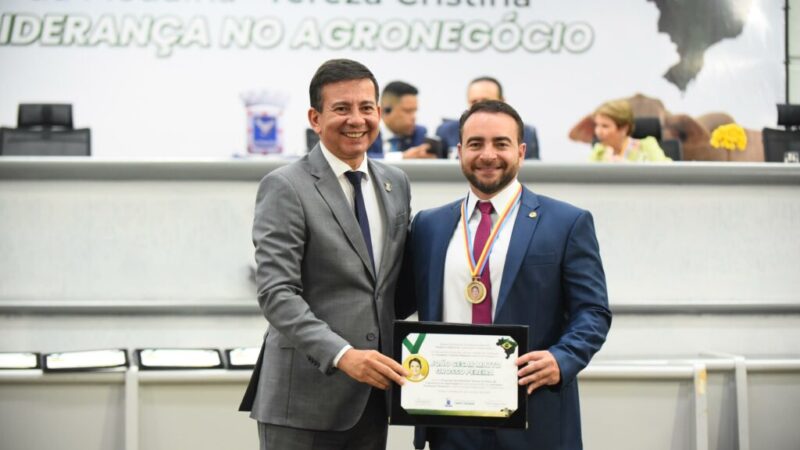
[{"x": 319, "y": 292}]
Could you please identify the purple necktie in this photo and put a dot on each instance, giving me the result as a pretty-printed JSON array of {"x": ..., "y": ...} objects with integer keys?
[{"x": 482, "y": 312}]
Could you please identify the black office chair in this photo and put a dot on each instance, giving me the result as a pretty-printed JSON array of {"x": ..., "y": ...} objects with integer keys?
[
  {"x": 651, "y": 126},
  {"x": 646, "y": 126},
  {"x": 672, "y": 149},
  {"x": 783, "y": 145},
  {"x": 44, "y": 116},
  {"x": 45, "y": 130}
]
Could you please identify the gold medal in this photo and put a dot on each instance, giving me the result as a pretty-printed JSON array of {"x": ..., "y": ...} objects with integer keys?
[{"x": 475, "y": 292}]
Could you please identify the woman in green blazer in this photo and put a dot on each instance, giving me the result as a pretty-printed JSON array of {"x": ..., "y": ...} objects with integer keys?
[{"x": 613, "y": 126}]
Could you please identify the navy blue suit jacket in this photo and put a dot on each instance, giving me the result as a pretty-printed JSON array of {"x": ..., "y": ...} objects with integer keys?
[
  {"x": 553, "y": 281},
  {"x": 405, "y": 142},
  {"x": 448, "y": 133}
]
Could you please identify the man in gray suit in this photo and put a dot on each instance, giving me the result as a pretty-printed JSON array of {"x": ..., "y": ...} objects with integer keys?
[{"x": 329, "y": 233}]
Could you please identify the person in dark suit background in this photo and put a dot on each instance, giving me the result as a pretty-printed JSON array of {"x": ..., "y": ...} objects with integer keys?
[
  {"x": 400, "y": 137},
  {"x": 544, "y": 270},
  {"x": 329, "y": 232},
  {"x": 480, "y": 89}
]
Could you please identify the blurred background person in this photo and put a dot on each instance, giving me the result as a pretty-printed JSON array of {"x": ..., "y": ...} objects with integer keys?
[
  {"x": 613, "y": 126},
  {"x": 400, "y": 136},
  {"x": 479, "y": 89}
]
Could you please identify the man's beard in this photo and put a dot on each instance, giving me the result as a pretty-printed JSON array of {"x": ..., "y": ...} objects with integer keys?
[{"x": 490, "y": 189}]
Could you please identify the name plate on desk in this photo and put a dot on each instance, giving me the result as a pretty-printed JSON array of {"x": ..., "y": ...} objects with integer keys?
[{"x": 460, "y": 375}]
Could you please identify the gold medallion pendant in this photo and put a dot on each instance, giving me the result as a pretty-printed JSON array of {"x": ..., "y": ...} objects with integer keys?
[{"x": 475, "y": 292}]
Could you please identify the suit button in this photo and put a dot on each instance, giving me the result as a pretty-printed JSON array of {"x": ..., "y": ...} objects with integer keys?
[{"x": 370, "y": 336}]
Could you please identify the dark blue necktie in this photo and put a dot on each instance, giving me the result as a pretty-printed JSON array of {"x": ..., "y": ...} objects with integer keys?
[
  {"x": 394, "y": 144},
  {"x": 361, "y": 210}
]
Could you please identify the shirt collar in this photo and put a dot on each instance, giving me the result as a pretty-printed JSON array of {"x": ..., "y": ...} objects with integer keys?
[
  {"x": 386, "y": 133},
  {"x": 339, "y": 167},
  {"x": 499, "y": 200}
]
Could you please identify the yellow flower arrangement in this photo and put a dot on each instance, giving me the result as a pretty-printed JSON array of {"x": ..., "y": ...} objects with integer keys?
[{"x": 731, "y": 137}]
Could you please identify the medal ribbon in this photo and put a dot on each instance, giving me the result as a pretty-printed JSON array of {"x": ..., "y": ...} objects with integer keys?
[
  {"x": 414, "y": 348},
  {"x": 476, "y": 267}
]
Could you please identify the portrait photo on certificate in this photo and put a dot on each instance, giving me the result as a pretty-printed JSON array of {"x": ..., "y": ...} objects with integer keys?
[{"x": 459, "y": 375}]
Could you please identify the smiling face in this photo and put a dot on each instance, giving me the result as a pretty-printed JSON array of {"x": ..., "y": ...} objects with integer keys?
[
  {"x": 415, "y": 366},
  {"x": 490, "y": 152},
  {"x": 348, "y": 122}
]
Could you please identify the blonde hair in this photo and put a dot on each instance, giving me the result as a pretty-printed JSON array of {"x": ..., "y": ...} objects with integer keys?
[{"x": 619, "y": 111}]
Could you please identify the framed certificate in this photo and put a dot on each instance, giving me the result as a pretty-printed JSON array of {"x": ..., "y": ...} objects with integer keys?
[{"x": 460, "y": 375}]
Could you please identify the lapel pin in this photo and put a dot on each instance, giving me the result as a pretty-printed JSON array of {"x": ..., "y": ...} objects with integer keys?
[
  {"x": 532, "y": 214},
  {"x": 387, "y": 186}
]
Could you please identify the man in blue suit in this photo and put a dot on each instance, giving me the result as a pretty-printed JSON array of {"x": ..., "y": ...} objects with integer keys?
[
  {"x": 543, "y": 270},
  {"x": 481, "y": 89},
  {"x": 400, "y": 136}
]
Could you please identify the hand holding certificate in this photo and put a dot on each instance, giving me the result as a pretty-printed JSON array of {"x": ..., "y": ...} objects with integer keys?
[{"x": 459, "y": 375}]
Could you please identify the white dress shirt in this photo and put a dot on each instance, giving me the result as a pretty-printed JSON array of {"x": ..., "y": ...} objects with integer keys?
[
  {"x": 457, "y": 275},
  {"x": 368, "y": 189},
  {"x": 388, "y": 154},
  {"x": 374, "y": 213}
]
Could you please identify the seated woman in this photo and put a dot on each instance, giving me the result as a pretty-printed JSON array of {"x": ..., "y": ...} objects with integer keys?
[{"x": 613, "y": 126}]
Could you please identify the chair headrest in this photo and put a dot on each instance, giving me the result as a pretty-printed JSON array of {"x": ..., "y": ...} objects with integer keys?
[
  {"x": 646, "y": 126},
  {"x": 44, "y": 115},
  {"x": 789, "y": 115}
]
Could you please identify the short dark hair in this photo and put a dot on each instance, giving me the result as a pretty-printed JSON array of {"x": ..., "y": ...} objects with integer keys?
[
  {"x": 393, "y": 92},
  {"x": 334, "y": 71},
  {"x": 415, "y": 359},
  {"x": 399, "y": 88},
  {"x": 492, "y": 107},
  {"x": 490, "y": 80}
]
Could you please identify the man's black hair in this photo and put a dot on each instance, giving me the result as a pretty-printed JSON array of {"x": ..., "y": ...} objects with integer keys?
[
  {"x": 399, "y": 88},
  {"x": 490, "y": 80},
  {"x": 492, "y": 107},
  {"x": 334, "y": 71}
]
